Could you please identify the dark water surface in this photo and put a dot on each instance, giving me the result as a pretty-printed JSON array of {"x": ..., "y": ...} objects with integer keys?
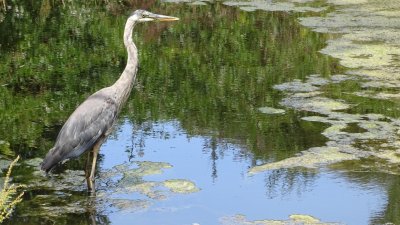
[{"x": 193, "y": 118}]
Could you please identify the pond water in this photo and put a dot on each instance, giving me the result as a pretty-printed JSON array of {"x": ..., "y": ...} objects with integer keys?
[{"x": 240, "y": 114}]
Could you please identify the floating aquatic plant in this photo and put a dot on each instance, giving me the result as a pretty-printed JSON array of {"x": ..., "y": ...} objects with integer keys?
[
  {"x": 270, "y": 110},
  {"x": 127, "y": 178},
  {"x": 291, "y": 5},
  {"x": 181, "y": 186},
  {"x": 312, "y": 158},
  {"x": 293, "y": 219},
  {"x": 350, "y": 136}
]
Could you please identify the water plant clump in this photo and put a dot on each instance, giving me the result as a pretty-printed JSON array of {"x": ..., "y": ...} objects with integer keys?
[
  {"x": 293, "y": 219},
  {"x": 296, "y": 86},
  {"x": 287, "y": 6},
  {"x": 312, "y": 158},
  {"x": 121, "y": 180},
  {"x": 181, "y": 186},
  {"x": 369, "y": 43},
  {"x": 376, "y": 136},
  {"x": 129, "y": 205},
  {"x": 133, "y": 181},
  {"x": 271, "y": 111}
]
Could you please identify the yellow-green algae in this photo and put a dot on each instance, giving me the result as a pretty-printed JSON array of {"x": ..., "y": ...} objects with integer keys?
[
  {"x": 295, "y": 219},
  {"x": 147, "y": 168},
  {"x": 286, "y": 6},
  {"x": 132, "y": 180},
  {"x": 370, "y": 40},
  {"x": 192, "y": 2},
  {"x": 389, "y": 155},
  {"x": 316, "y": 104},
  {"x": 270, "y": 110},
  {"x": 147, "y": 188},
  {"x": 378, "y": 95},
  {"x": 377, "y": 136},
  {"x": 305, "y": 96},
  {"x": 312, "y": 158},
  {"x": 296, "y": 86},
  {"x": 129, "y": 205},
  {"x": 181, "y": 186},
  {"x": 347, "y": 2},
  {"x": 126, "y": 178}
]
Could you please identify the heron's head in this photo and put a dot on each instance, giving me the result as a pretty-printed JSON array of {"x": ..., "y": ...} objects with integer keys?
[{"x": 145, "y": 16}]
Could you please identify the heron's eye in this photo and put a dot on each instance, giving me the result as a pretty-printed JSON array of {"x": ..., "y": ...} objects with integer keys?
[{"x": 145, "y": 15}]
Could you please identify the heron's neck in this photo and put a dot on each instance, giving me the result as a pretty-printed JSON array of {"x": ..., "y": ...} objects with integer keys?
[{"x": 125, "y": 82}]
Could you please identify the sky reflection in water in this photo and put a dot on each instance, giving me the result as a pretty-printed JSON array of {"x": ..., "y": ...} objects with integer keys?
[{"x": 227, "y": 189}]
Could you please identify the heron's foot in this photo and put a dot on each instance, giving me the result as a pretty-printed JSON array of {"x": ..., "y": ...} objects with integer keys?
[
  {"x": 91, "y": 192},
  {"x": 90, "y": 183}
]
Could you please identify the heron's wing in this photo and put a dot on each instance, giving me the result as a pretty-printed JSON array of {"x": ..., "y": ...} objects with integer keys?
[
  {"x": 92, "y": 119},
  {"x": 87, "y": 124}
]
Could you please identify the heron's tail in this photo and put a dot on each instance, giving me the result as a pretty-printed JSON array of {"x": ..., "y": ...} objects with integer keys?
[{"x": 51, "y": 160}]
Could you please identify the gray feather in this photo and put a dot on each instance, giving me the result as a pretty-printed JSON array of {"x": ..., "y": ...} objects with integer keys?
[{"x": 86, "y": 125}]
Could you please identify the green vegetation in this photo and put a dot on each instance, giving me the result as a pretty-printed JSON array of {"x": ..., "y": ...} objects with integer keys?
[
  {"x": 214, "y": 72},
  {"x": 44, "y": 73},
  {"x": 9, "y": 196}
]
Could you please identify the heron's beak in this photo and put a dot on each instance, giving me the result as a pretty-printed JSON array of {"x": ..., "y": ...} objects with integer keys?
[{"x": 158, "y": 17}]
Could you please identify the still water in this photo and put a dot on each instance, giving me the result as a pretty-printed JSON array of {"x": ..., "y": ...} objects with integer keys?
[{"x": 201, "y": 139}]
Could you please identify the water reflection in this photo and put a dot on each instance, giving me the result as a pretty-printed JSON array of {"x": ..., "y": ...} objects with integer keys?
[
  {"x": 298, "y": 191},
  {"x": 194, "y": 114}
]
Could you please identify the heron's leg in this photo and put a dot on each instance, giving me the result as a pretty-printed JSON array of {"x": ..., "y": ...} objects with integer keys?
[
  {"x": 87, "y": 172},
  {"x": 90, "y": 181}
]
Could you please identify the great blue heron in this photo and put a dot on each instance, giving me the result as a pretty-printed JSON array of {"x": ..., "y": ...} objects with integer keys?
[{"x": 91, "y": 122}]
